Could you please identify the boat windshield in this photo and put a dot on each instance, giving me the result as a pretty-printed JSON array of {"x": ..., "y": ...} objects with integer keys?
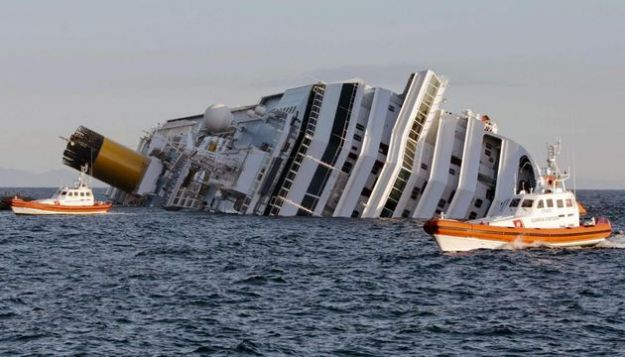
[
  {"x": 527, "y": 203},
  {"x": 515, "y": 202}
]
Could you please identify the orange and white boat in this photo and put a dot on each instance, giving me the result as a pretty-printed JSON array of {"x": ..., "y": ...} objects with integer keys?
[
  {"x": 76, "y": 200},
  {"x": 549, "y": 217}
]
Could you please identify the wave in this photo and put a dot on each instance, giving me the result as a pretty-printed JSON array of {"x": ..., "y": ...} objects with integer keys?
[{"x": 616, "y": 241}]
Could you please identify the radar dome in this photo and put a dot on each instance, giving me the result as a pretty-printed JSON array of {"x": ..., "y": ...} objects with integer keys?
[{"x": 217, "y": 117}]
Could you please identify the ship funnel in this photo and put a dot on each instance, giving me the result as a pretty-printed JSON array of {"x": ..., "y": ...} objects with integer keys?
[{"x": 107, "y": 160}]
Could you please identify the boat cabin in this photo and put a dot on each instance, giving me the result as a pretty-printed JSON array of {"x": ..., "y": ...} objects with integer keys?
[
  {"x": 544, "y": 210},
  {"x": 79, "y": 195}
]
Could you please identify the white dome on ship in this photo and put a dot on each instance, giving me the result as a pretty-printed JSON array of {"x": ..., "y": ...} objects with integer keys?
[{"x": 217, "y": 117}]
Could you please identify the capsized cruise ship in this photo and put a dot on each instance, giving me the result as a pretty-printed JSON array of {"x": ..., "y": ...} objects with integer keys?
[{"x": 342, "y": 149}]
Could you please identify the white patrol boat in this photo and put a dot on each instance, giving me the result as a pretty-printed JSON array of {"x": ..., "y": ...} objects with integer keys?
[
  {"x": 548, "y": 217},
  {"x": 76, "y": 200}
]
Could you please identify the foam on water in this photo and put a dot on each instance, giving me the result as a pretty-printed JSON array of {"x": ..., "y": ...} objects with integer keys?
[{"x": 616, "y": 241}]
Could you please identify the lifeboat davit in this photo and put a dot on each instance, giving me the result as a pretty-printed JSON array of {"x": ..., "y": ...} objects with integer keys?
[
  {"x": 549, "y": 218},
  {"x": 76, "y": 200}
]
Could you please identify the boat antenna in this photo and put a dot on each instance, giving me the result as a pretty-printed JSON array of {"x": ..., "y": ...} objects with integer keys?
[
  {"x": 90, "y": 167},
  {"x": 572, "y": 148}
]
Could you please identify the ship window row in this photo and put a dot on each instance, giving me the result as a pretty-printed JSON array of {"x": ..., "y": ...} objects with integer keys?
[
  {"x": 72, "y": 194},
  {"x": 276, "y": 203},
  {"x": 549, "y": 203},
  {"x": 396, "y": 192},
  {"x": 335, "y": 144},
  {"x": 290, "y": 109}
]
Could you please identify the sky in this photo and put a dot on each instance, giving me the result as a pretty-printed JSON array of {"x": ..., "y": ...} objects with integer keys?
[{"x": 540, "y": 69}]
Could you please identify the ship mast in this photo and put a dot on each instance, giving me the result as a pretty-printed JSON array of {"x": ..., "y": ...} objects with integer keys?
[{"x": 553, "y": 178}]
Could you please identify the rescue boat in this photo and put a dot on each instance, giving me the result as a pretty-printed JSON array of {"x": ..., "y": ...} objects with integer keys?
[
  {"x": 549, "y": 217},
  {"x": 76, "y": 200}
]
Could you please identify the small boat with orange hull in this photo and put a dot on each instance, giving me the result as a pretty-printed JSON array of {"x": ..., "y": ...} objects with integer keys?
[
  {"x": 76, "y": 200},
  {"x": 549, "y": 218},
  {"x": 452, "y": 235}
]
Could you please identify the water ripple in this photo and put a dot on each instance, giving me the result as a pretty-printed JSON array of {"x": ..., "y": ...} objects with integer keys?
[{"x": 151, "y": 282}]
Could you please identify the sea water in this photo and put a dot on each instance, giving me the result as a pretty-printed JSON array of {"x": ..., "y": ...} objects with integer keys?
[{"x": 145, "y": 281}]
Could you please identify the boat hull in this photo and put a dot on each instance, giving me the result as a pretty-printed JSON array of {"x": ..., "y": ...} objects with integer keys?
[
  {"x": 458, "y": 236},
  {"x": 21, "y": 207}
]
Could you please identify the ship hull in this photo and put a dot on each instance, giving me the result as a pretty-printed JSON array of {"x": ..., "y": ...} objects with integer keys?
[
  {"x": 20, "y": 207},
  {"x": 457, "y": 236}
]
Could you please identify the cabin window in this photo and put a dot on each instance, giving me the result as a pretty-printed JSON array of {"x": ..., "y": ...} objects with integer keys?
[
  {"x": 82, "y": 194},
  {"x": 515, "y": 202},
  {"x": 415, "y": 192},
  {"x": 360, "y": 127},
  {"x": 442, "y": 203},
  {"x": 455, "y": 160},
  {"x": 550, "y": 203},
  {"x": 383, "y": 149},
  {"x": 88, "y": 194},
  {"x": 541, "y": 204},
  {"x": 357, "y": 137},
  {"x": 63, "y": 193},
  {"x": 527, "y": 203},
  {"x": 560, "y": 204},
  {"x": 473, "y": 215},
  {"x": 347, "y": 167},
  {"x": 569, "y": 202},
  {"x": 478, "y": 203}
]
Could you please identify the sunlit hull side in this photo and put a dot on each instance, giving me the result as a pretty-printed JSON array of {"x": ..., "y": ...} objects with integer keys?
[
  {"x": 36, "y": 208},
  {"x": 456, "y": 236}
]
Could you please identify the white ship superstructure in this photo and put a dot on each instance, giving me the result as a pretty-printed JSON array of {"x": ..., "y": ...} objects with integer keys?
[{"x": 343, "y": 149}]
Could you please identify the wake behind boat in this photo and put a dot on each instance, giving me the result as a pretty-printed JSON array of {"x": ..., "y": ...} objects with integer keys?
[
  {"x": 550, "y": 217},
  {"x": 76, "y": 200}
]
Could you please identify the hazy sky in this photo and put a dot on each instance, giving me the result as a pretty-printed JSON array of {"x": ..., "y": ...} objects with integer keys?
[{"x": 540, "y": 69}]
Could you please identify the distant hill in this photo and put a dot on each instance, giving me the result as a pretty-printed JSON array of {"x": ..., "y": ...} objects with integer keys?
[{"x": 52, "y": 178}]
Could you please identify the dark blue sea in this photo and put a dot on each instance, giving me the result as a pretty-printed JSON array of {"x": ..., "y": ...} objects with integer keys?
[{"x": 144, "y": 281}]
